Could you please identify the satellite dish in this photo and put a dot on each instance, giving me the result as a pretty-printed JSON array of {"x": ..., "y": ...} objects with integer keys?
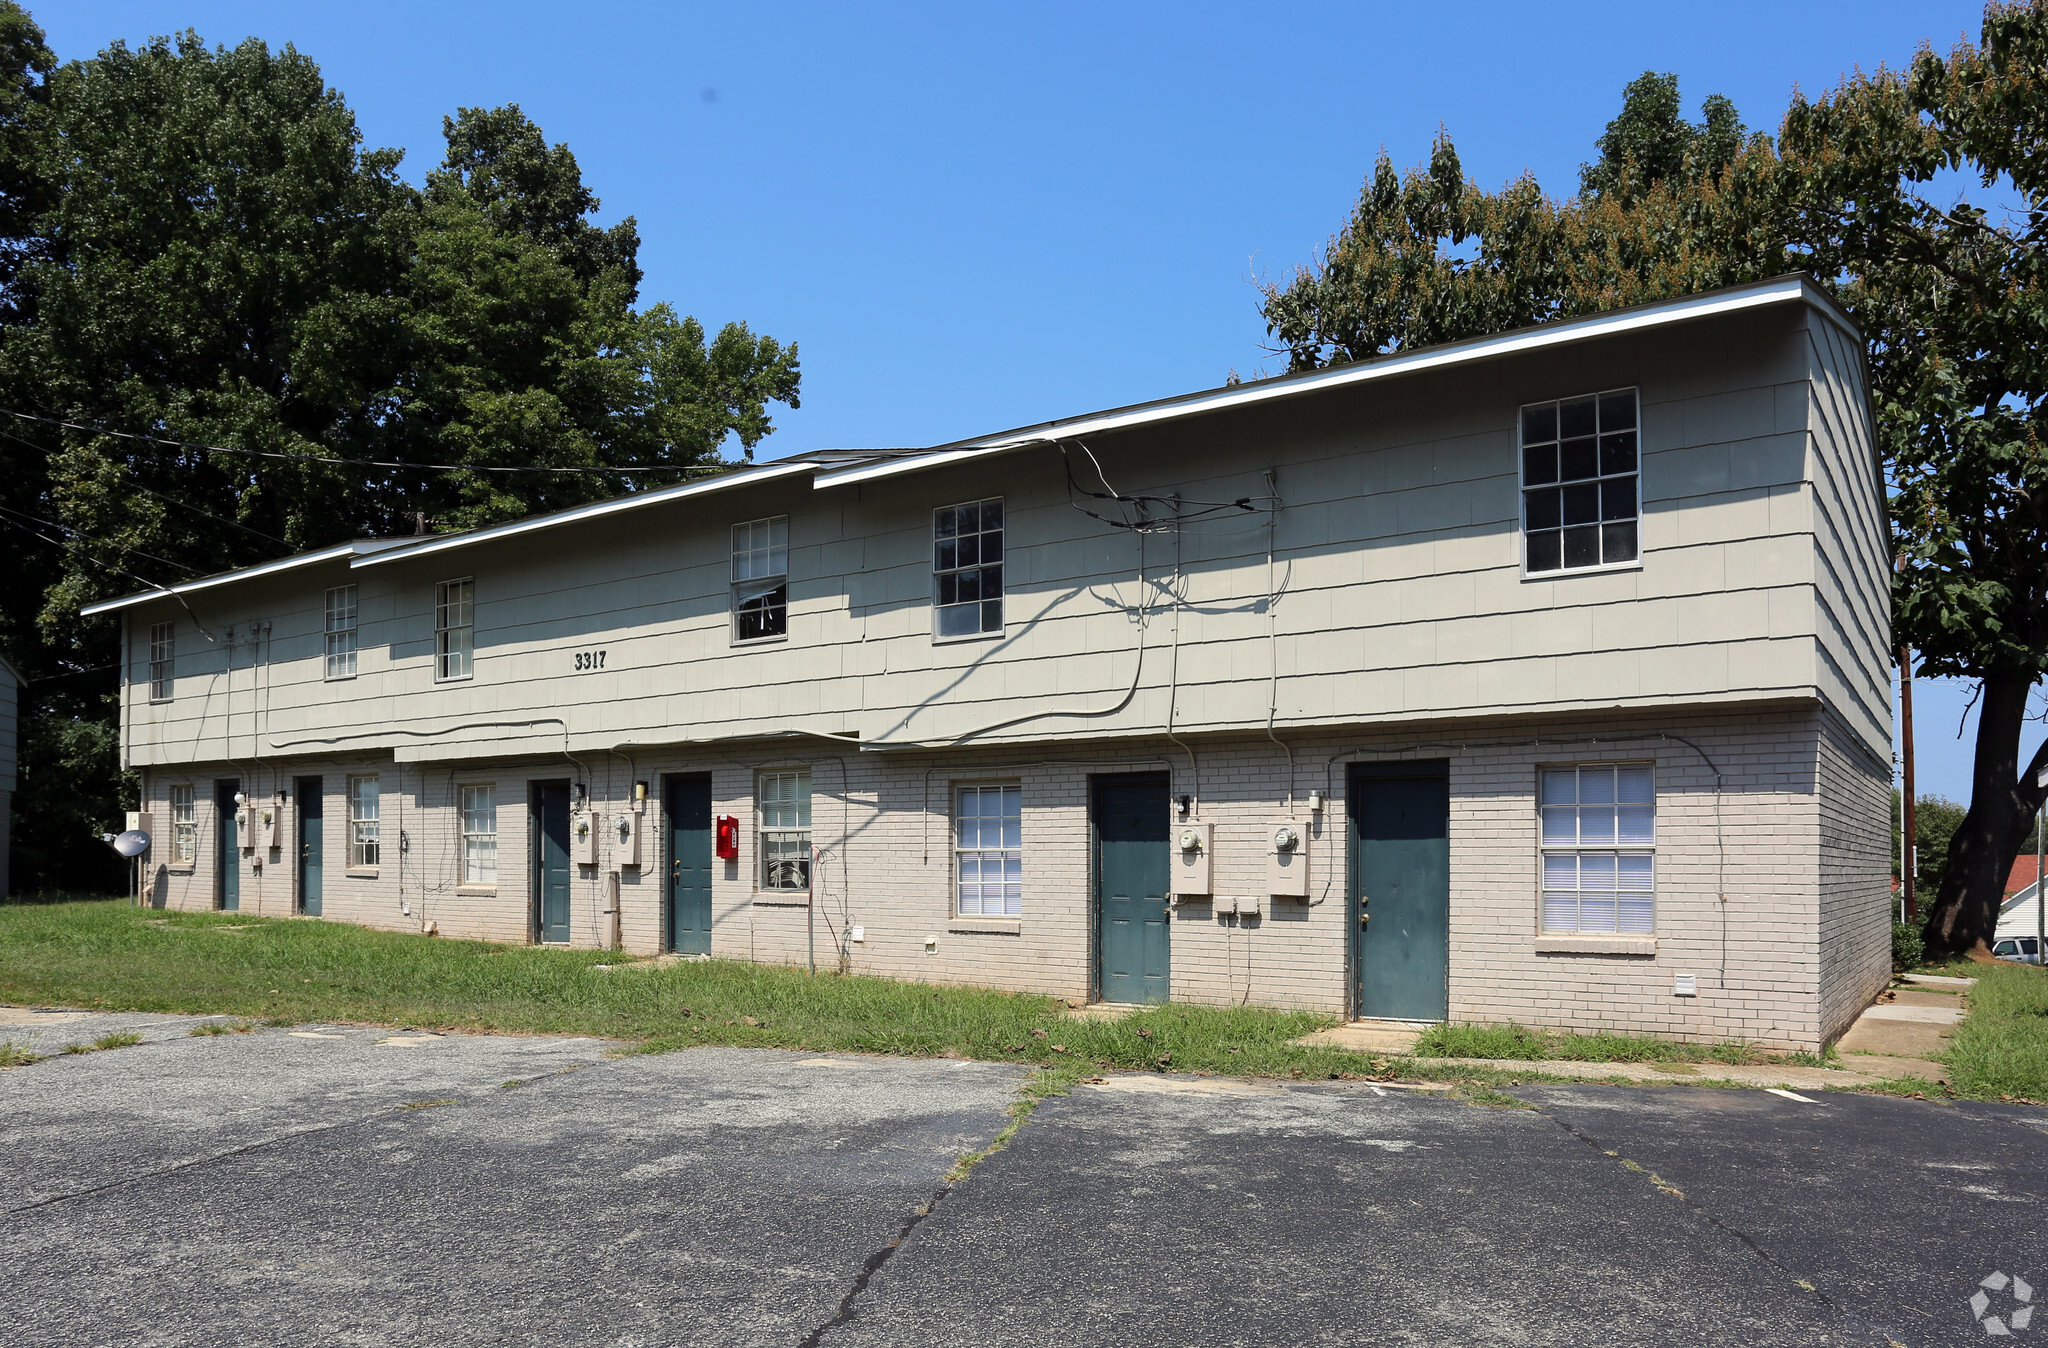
[{"x": 133, "y": 843}]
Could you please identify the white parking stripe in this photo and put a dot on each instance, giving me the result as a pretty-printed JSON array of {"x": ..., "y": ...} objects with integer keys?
[{"x": 1791, "y": 1095}]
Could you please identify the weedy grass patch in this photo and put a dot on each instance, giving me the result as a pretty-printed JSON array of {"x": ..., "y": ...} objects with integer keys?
[
  {"x": 1522, "y": 1044},
  {"x": 2000, "y": 1051}
]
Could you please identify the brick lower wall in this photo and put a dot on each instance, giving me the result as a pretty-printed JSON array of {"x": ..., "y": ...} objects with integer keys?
[{"x": 1760, "y": 883}]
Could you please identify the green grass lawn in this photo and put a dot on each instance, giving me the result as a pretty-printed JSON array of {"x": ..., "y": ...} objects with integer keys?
[
  {"x": 2001, "y": 1049},
  {"x": 109, "y": 955}
]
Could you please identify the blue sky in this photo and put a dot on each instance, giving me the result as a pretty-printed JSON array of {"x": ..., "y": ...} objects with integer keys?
[{"x": 971, "y": 218}]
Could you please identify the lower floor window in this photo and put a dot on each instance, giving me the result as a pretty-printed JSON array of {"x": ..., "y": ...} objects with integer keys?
[
  {"x": 479, "y": 835},
  {"x": 1599, "y": 830},
  {"x": 364, "y": 836},
  {"x": 988, "y": 850},
  {"x": 184, "y": 828},
  {"x": 785, "y": 830}
]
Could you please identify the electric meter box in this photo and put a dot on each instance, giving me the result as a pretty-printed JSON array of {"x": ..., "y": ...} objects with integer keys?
[
  {"x": 268, "y": 830},
  {"x": 1287, "y": 861},
  {"x": 1192, "y": 846},
  {"x": 583, "y": 838},
  {"x": 627, "y": 831}
]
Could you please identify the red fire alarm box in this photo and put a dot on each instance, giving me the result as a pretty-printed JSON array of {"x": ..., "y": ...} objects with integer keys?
[{"x": 726, "y": 842}]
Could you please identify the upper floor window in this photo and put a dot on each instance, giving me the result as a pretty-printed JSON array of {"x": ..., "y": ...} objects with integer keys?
[
  {"x": 760, "y": 579},
  {"x": 988, "y": 850},
  {"x": 785, "y": 804},
  {"x": 364, "y": 827},
  {"x": 1599, "y": 842},
  {"x": 184, "y": 828},
  {"x": 479, "y": 808},
  {"x": 454, "y": 628},
  {"x": 163, "y": 656},
  {"x": 341, "y": 632},
  {"x": 967, "y": 569},
  {"x": 1580, "y": 494}
]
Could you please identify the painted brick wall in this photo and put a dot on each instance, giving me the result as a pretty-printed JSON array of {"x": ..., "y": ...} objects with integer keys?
[{"x": 1794, "y": 839}]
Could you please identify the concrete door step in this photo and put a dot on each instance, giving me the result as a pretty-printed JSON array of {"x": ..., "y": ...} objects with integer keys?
[
  {"x": 1106, "y": 1010},
  {"x": 1939, "y": 981},
  {"x": 1369, "y": 1036}
]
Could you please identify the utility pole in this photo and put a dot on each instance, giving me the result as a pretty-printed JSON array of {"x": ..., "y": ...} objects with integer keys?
[{"x": 1908, "y": 852}]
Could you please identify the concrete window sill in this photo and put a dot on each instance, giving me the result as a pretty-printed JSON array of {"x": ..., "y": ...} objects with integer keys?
[
  {"x": 180, "y": 870},
  {"x": 477, "y": 891},
  {"x": 986, "y": 926},
  {"x": 1642, "y": 946},
  {"x": 769, "y": 899},
  {"x": 361, "y": 872}
]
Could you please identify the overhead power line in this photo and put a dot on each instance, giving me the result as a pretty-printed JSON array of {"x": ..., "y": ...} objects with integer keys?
[{"x": 626, "y": 471}]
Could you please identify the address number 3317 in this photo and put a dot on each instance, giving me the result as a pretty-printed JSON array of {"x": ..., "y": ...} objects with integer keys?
[{"x": 589, "y": 660}]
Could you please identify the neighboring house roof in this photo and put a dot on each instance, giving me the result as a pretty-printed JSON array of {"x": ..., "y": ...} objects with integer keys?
[
  {"x": 2023, "y": 873},
  {"x": 832, "y": 468}
]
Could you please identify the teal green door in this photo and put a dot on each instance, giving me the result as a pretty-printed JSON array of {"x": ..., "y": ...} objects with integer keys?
[
  {"x": 227, "y": 869},
  {"x": 1401, "y": 890},
  {"x": 310, "y": 839},
  {"x": 686, "y": 804},
  {"x": 551, "y": 861},
  {"x": 1132, "y": 871}
]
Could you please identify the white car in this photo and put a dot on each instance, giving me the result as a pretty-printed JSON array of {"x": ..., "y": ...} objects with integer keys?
[{"x": 2024, "y": 949}]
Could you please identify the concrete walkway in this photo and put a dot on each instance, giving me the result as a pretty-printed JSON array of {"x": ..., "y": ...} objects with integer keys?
[{"x": 1901, "y": 1034}]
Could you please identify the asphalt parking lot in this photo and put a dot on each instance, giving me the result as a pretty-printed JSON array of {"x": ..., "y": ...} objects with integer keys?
[{"x": 350, "y": 1186}]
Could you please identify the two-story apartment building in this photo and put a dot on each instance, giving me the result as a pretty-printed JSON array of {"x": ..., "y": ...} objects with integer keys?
[{"x": 1541, "y": 677}]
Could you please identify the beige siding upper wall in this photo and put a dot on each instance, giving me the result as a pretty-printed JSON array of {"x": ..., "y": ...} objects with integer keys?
[
  {"x": 1396, "y": 559},
  {"x": 1852, "y": 541}
]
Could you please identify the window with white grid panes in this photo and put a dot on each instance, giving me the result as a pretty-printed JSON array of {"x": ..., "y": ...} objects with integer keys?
[
  {"x": 454, "y": 628},
  {"x": 365, "y": 837},
  {"x": 163, "y": 654},
  {"x": 341, "y": 632},
  {"x": 1599, "y": 830},
  {"x": 783, "y": 800},
  {"x": 967, "y": 569},
  {"x": 988, "y": 850},
  {"x": 184, "y": 827},
  {"x": 1581, "y": 492},
  {"x": 760, "y": 579},
  {"x": 479, "y": 808}
]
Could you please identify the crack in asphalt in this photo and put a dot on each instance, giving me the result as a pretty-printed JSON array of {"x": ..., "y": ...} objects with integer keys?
[
  {"x": 872, "y": 1266},
  {"x": 1849, "y": 1318}
]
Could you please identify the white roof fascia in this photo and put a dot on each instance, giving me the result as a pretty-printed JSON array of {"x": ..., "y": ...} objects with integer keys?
[
  {"x": 592, "y": 511},
  {"x": 246, "y": 573},
  {"x": 1778, "y": 291}
]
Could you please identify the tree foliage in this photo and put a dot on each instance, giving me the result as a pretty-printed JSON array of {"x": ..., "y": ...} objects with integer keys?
[
  {"x": 1856, "y": 189},
  {"x": 197, "y": 245}
]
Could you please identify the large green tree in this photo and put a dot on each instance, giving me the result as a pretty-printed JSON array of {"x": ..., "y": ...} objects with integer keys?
[
  {"x": 1948, "y": 292},
  {"x": 197, "y": 246}
]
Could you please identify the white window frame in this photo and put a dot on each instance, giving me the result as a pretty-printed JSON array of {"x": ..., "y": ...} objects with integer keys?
[
  {"x": 947, "y": 570},
  {"x": 477, "y": 821},
  {"x": 760, "y": 569},
  {"x": 972, "y": 849},
  {"x": 163, "y": 661},
  {"x": 782, "y": 830},
  {"x": 184, "y": 826},
  {"x": 340, "y": 654},
  {"x": 1585, "y": 840},
  {"x": 1635, "y": 475},
  {"x": 365, "y": 826},
  {"x": 454, "y": 641}
]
